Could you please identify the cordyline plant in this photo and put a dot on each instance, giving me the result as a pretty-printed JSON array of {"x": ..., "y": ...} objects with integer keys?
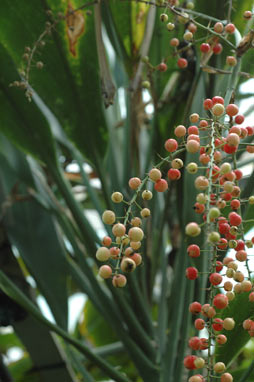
[{"x": 147, "y": 94}]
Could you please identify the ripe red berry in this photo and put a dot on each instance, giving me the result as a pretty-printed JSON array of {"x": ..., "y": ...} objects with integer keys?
[
  {"x": 171, "y": 145},
  {"x": 218, "y": 99},
  {"x": 234, "y": 219},
  {"x": 219, "y": 266},
  {"x": 238, "y": 174},
  {"x": 162, "y": 67},
  {"x": 217, "y": 49},
  {"x": 207, "y": 104},
  {"x": 195, "y": 307},
  {"x": 189, "y": 362},
  {"x": 232, "y": 109},
  {"x": 199, "y": 324},
  {"x": 230, "y": 28},
  {"x": 193, "y": 250},
  {"x": 250, "y": 130},
  {"x": 218, "y": 27},
  {"x": 182, "y": 63},
  {"x": 193, "y": 130},
  {"x": 204, "y": 47},
  {"x": 222, "y": 244},
  {"x": 215, "y": 278},
  {"x": 235, "y": 204},
  {"x": 240, "y": 245},
  {"x": 229, "y": 149},
  {"x": 194, "y": 343},
  {"x": 220, "y": 301},
  {"x": 199, "y": 208},
  {"x": 217, "y": 324},
  {"x": 161, "y": 185},
  {"x": 174, "y": 174},
  {"x": 191, "y": 273},
  {"x": 239, "y": 119}
]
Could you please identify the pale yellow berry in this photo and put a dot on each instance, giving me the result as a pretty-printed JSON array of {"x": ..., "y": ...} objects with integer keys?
[
  {"x": 127, "y": 265},
  {"x": 147, "y": 195},
  {"x": 102, "y": 254},
  {"x": 118, "y": 229},
  {"x": 117, "y": 197},
  {"x": 145, "y": 212},
  {"x": 108, "y": 217},
  {"x": 135, "y": 234}
]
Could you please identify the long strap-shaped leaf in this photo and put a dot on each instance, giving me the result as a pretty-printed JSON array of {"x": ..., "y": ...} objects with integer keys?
[{"x": 13, "y": 292}]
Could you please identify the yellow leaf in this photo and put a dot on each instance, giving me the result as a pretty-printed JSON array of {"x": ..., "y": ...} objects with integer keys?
[{"x": 75, "y": 23}]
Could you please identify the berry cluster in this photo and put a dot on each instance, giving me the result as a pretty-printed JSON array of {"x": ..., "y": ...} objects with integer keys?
[{"x": 216, "y": 138}]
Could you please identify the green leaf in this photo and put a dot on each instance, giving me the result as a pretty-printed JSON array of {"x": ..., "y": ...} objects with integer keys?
[
  {"x": 22, "y": 121},
  {"x": 69, "y": 84},
  {"x": 30, "y": 228},
  {"x": 237, "y": 337}
]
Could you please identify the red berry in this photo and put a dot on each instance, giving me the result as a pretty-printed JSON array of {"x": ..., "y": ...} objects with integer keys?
[
  {"x": 171, "y": 145},
  {"x": 218, "y": 99},
  {"x": 195, "y": 307},
  {"x": 174, "y": 174},
  {"x": 189, "y": 362},
  {"x": 205, "y": 47},
  {"x": 161, "y": 185},
  {"x": 182, "y": 63},
  {"x": 220, "y": 301},
  {"x": 217, "y": 324},
  {"x": 230, "y": 28},
  {"x": 222, "y": 244},
  {"x": 229, "y": 149},
  {"x": 224, "y": 228},
  {"x": 199, "y": 208},
  {"x": 191, "y": 273},
  {"x": 235, "y": 204},
  {"x": 232, "y": 109},
  {"x": 162, "y": 67},
  {"x": 193, "y": 250},
  {"x": 199, "y": 324},
  {"x": 238, "y": 174},
  {"x": 250, "y": 130},
  {"x": 215, "y": 278},
  {"x": 194, "y": 343},
  {"x": 240, "y": 245},
  {"x": 239, "y": 119},
  {"x": 207, "y": 104},
  {"x": 234, "y": 219},
  {"x": 217, "y": 49},
  {"x": 219, "y": 266},
  {"x": 193, "y": 130}
]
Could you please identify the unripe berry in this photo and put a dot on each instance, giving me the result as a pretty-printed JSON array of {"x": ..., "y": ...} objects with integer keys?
[
  {"x": 214, "y": 213},
  {"x": 137, "y": 258},
  {"x": 135, "y": 244},
  {"x": 247, "y": 15},
  {"x": 195, "y": 378},
  {"x": 228, "y": 323},
  {"x": 127, "y": 265},
  {"x": 238, "y": 276},
  {"x": 199, "y": 363},
  {"x": 251, "y": 200},
  {"x": 155, "y": 174},
  {"x": 117, "y": 197},
  {"x": 219, "y": 367},
  {"x": 180, "y": 131},
  {"x": 102, "y": 254},
  {"x": 114, "y": 252},
  {"x": 134, "y": 183},
  {"x": 118, "y": 229},
  {"x": 218, "y": 109},
  {"x": 228, "y": 286},
  {"x": 135, "y": 234},
  {"x": 105, "y": 271},
  {"x": 192, "y": 146},
  {"x": 108, "y": 217},
  {"x": 188, "y": 36},
  {"x": 225, "y": 168},
  {"x": 177, "y": 163},
  {"x": 161, "y": 185},
  {"x": 162, "y": 67},
  {"x": 192, "y": 168},
  {"x": 233, "y": 139},
  {"x": 192, "y": 229},
  {"x": 241, "y": 255},
  {"x": 145, "y": 213},
  {"x": 119, "y": 281},
  {"x": 226, "y": 377},
  {"x": 251, "y": 297},
  {"x": 246, "y": 286},
  {"x": 136, "y": 221},
  {"x": 201, "y": 183},
  {"x": 164, "y": 17},
  {"x": 170, "y": 26},
  {"x": 230, "y": 295},
  {"x": 147, "y": 195}
]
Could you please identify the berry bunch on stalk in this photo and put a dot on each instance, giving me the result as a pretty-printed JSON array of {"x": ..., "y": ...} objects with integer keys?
[{"x": 216, "y": 137}]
